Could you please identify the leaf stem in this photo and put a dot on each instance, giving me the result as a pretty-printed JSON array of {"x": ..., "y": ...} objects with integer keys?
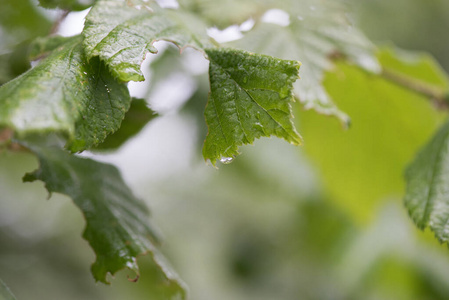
[
  {"x": 437, "y": 95},
  {"x": 7, "y": 142},
  {"x": 56, "y": 25}
]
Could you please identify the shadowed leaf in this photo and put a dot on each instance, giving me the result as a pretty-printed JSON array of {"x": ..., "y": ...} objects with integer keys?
[
  {"x": 135, "y": 119},
  {"x": 117, "y": 223}
]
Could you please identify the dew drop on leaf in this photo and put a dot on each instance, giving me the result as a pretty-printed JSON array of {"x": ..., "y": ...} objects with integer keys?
[{"x": 226, "y": 160}]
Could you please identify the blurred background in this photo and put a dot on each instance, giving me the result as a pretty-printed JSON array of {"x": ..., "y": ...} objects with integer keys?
[{"x": 320, "y": 221}]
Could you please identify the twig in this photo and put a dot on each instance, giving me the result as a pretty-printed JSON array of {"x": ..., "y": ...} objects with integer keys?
[
  {"x": 436, "y": 94},
  {"x": 58, "y": 21}
]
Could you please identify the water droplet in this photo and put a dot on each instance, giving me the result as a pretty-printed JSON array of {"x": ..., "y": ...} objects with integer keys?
[
  {"x": 245, "y": 79},
  {"x": 226, "y": 160}
]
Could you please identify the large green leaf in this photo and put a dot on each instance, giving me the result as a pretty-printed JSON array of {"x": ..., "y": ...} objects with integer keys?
[
  {"x": 315, "y": 34},
  {"x": 5, "y": 293},
  {"x": 118, "y": 227},
  {"x": 363, "y": 167},
  {"x": 65, "y": 93},
  {"x": 250, "y": 97},
  {"x": 122, "y": 32},
  {"x": 427, "y": 197}
]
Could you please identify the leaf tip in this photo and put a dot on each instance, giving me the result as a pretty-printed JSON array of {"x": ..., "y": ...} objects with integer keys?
[{"x": 29, "y": 177}]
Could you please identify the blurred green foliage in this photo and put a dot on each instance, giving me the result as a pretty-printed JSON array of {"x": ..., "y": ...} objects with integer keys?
[
  {"x": 20, "y": 22},
  {"x": 410, "y": 24},
  {"x": 363, "y": 166}
]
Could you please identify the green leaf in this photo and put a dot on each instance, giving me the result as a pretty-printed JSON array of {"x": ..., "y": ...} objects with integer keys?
[
  {"x": 135, "y": 119},
  {"x": 250, "y": 97},
  {"x": 427, "y": 196},
  {"x": 121, "y": 33},
  {"x": 65, "y": 94},
  {"x": 118, "y": 227},
  {"x": 5, "y": 293},
  {"x": 313, "y": 38},
  {"x": 67, "y": 4},
  {"x": 363, "y": 167}
]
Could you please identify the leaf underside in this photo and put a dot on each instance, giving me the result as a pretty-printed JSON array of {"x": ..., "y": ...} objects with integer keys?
[
  {"x": 314, "y": 35},
  {"x": 250, "y": 97},
  {"x": 217, "y": 13},
  {"x": 117, "y": 223},
  {"x": 66, "y": 94}
]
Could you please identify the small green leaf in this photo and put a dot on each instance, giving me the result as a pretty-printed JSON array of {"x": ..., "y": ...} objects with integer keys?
[
  {"x": 5, "y": 293},
  {"x": 117, "y": 223},
  {"x": 135, "y": 119},
  {"x": 65, "y": 94},
  {"x": 67, "y": 4},
  {"x": 427, "y": 195},
  {"x": 250, "y": 97},
  {"x": 121, "y": 33},
  {"x": 313, "y": 37}
]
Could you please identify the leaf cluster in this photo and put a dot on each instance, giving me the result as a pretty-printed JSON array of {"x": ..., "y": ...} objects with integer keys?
[{"x": 77, "y": 95}]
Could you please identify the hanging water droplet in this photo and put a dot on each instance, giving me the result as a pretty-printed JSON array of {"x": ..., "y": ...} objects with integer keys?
[{"x": 226, "y": 160}]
